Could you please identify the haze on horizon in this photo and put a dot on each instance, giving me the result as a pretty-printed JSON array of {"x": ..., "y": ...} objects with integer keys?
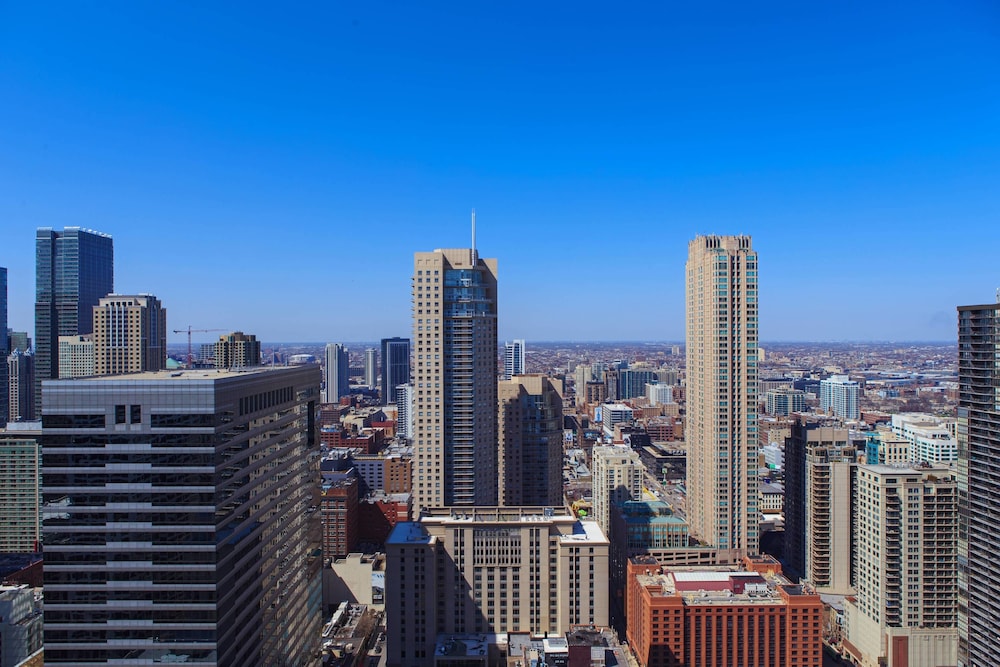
[{"x": 274, "y": 172}]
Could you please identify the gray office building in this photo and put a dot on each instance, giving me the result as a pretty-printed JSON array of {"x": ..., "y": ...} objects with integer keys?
[
  {"x": 176, "y": 527},
  {"x": 4, "y": 348},
  {"x": 74, "y": 268},
  {"x": 978, "y": 485}
]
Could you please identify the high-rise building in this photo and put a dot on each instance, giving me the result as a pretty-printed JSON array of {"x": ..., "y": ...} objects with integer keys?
[
  {"x": 820, "y": 461},
  {"x": 20, "y": 479},
  {"x": 617, "y": 478},
  {"x": 931, "y": 437},
  {"x": 338, "y": 372},
  {"x": 18, "y": 340},
  {"x": 659, "y": 394},
  {"x": 455, "y": 379},
  {"x": 4, "y": 349},
  {"x": 490, "y": 570},
  {"x": 838, "y": 394},
  {"x": 236, "y": 350},
  {"x": 721, "y": 428},
  {"x": 21, "y": 631},
  {"x": 530, "y": 423},
  {"x": 371, "y": 367},
  {"x": 395, "y": 366},
  {"x": 201, "y": 480},
  {"x": 979, "y": 485},
  {"x": 905, "y": 535},
  {"x": 581, "y": 376},
  {"x": 130, "y": 335},
  {"x": 513, "y": 359},
  {"x": 404, "y": 410},
  {"x": 76, "y": 356},
  {"x": 21, "y": 386},
  {"x": 74, "y": 268}
]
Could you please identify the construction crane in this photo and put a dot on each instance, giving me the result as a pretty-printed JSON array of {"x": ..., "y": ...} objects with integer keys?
[{"x": 189, "y": 331}]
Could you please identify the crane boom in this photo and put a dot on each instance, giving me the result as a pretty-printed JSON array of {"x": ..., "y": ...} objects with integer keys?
[{"x": 188, "y": 331}]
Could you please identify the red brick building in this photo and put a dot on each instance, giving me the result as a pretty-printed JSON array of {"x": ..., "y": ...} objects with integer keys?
[
  {"x": 722, "y": 616},
  {"x": 341, "y": 515}
]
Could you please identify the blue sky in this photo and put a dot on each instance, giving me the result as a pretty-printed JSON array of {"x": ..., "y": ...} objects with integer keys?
[{"x": 273, "y": 169}]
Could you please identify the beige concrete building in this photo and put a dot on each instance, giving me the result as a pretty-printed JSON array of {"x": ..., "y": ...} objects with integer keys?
[
  {"x": 491, "y": 569},
  {"x": 76, "y": 356},
  {"x": 237, "y": 350},
  {"x": 530, "y": 422},
  {"x": 130, "y": 334},
  {"x": 819, "y": 468},
  {"x": 617, "y": 478},
  {"x": 905, "y": 612},
  {"x": 454, "y": 371},
  {"x": 721, "y": 429}
]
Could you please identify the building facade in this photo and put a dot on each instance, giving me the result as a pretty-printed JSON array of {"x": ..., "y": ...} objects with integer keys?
[
  {"x": 74, "y": 268},
  {"x": 530, "y": 422},
  {"x": 20, "y": 491},
  {"x": 783, "y": 402},
  {"x": 200, "y": 481},
  {"x": 513, "y": 359},
  {"x": 905, "y": 537},
  {"x": 979, "y": 488},
  {"x": 237, "y": 350},
  {"x": 617, "y": 474},
  {"x": 488, "y": 570},
  {"x": 820, "y": 461},
  {"x": 5, "y": 349},
  {"x": 338, "y": 372},
  {"x": 21, "y": 386},
  {"x": 76, "y": 356},
  {"x": 682, "y": 617},
  {"x": 129, "y": 334},
  {"x": 838, "y": 395},
  {"x": 931, "y": 438},
  {"x": 454, "y": 376},
  {"x": 721, "y": 427},
  {"x": 395, "y": 366}
]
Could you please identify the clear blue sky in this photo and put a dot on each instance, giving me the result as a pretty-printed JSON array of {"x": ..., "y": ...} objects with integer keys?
[{"x": 272, "y": 168}]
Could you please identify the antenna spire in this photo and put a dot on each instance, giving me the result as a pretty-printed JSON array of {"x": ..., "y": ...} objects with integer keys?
[{"x": 473, "y": 255}]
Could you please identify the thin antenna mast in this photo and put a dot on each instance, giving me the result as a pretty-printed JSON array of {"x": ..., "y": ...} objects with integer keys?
[{"x": 473, "y": 255}]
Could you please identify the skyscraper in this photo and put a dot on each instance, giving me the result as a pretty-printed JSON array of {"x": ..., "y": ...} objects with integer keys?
[
  {"x": 199, "y": 481},
  {"x": 371, "y": 367},
  {"x": 979, "y": 489},
  {"x": 130, "y": 334},
  {"x": 74, "y": 268},
  {"x": 531, "y": 428},
  {"x": 617, "y": 479},
  {"x": 337, "y": 369},
  {"x": 513, "y": 359},
  {"x": 721, "y": 425},
  {"x": 4, "y": 348},
  {"x": 20, "y": 479},
  {"x": 395, "y": 366},
  {"x": 21, "y": 384},
  {"x": 454, "y": 373}
]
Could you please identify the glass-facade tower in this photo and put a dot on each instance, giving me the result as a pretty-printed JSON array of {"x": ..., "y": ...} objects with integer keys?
[
  {"x": 395, "y": 366},
  {"x": 74, "y": 268}
]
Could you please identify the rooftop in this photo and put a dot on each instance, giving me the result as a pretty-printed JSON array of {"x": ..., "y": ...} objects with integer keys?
[{"x": 181, "y": 375}]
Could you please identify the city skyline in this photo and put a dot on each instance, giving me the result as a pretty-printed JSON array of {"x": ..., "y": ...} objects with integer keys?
[{"x": 857, "y": 148}]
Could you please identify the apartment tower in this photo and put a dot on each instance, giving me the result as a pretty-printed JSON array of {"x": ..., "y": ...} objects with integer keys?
[
  {"x": 455, "y": 379},
  {"x": 237, "y": 350},
  {"x": 395, "y": 366},
  {"x": 979, "y": 485},
  {"x": 530, "y": 422},
  {"x": 74, "y": 268},
  {"x": 181, "y": 533},
  {"x": 721, "y": 429},
  {"x": 371, "y": 367},
  {"x": 4, "y": 349},
  {"x": 513, "y": 359},
  {"x": 617, "y": 479},
  {"x": 130, "y": 334}
]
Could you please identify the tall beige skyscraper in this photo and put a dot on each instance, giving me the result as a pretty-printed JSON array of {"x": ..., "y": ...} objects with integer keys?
[
  {"x": 454, "y": 370},
  {"x": 721, "y": 425},
  {"x": 130, "y": 334}
]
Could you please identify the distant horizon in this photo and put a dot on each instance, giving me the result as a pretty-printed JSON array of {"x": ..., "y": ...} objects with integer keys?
[{"x": 529, "y": 342}]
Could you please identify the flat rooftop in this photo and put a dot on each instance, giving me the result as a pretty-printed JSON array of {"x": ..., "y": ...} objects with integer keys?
[{"x": 182, "y": 375}]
